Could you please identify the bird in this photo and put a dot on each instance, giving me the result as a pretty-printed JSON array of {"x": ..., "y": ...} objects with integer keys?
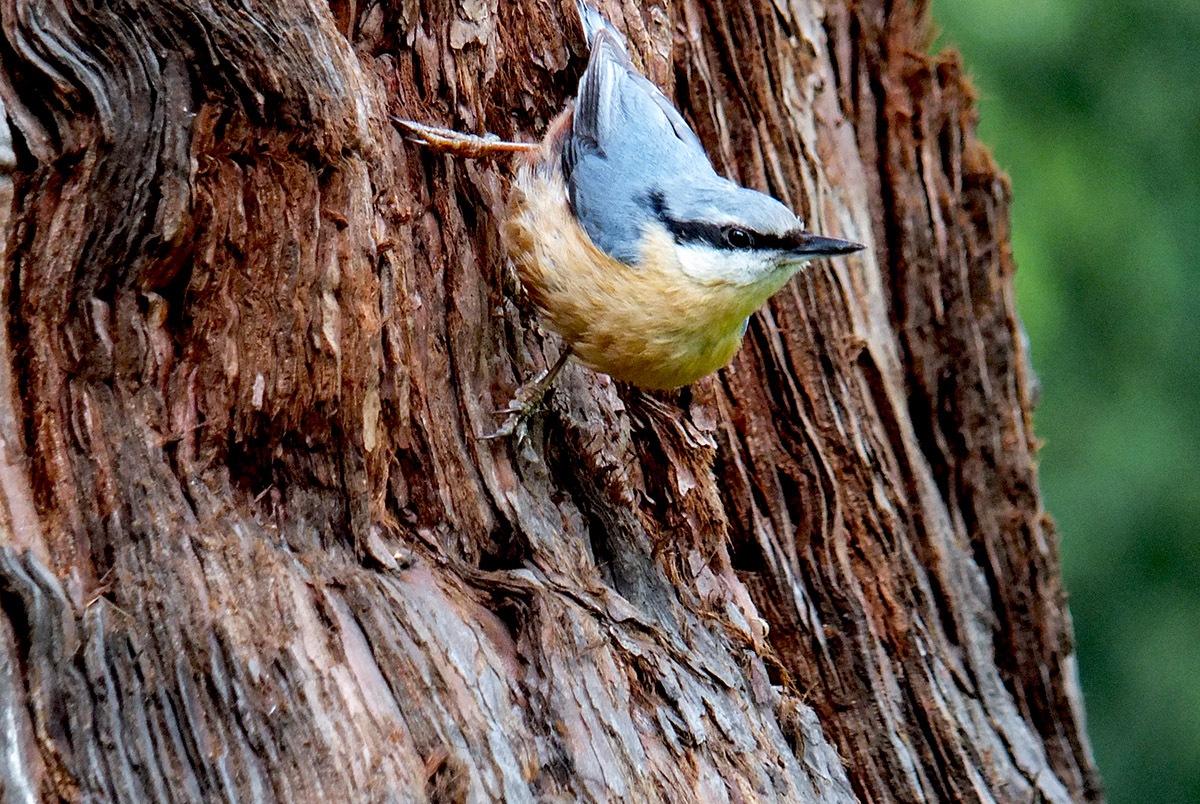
[{"x": 636, "y": 252}]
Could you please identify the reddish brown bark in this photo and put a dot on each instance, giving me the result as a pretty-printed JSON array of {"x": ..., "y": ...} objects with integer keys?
[{"x": 253, "y": 548}]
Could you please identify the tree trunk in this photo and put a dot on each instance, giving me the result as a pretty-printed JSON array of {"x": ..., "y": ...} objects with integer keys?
[{"x": 255, "y": 550}]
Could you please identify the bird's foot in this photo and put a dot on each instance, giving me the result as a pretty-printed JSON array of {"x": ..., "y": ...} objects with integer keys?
[
  {"x": 526, "y": 402},
  {"x": 468, "y": 146}
]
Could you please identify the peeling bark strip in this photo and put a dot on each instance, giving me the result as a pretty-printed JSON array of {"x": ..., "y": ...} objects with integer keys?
[{"x": 254, "y": 551}]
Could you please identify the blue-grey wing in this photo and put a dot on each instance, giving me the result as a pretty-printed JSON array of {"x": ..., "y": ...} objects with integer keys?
[{"x": 626, "y": 141}]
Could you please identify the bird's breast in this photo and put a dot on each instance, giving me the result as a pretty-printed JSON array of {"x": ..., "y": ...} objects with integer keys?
[{"x": 649, "y": 325}]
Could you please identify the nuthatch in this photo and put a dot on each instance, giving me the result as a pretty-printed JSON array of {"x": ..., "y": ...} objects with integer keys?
[{"x": 645, "y": 260}]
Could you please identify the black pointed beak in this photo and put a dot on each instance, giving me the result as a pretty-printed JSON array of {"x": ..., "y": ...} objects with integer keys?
[{"x": 809, "y": 246}]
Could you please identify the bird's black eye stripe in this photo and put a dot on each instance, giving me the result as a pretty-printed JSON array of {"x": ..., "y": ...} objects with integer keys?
[
  {"x": 738, "y": 238},
  {"x": 718, "y": 236}
]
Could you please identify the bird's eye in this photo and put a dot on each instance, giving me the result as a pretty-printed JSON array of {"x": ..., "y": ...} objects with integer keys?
[{"x": 738, "y": 238}]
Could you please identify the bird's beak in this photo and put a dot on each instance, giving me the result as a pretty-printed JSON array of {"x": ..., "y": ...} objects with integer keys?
[{"x": 810, "y": 246}]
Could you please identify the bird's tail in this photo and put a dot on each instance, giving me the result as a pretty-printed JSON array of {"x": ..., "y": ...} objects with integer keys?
[{"x": 594, "y": 22}]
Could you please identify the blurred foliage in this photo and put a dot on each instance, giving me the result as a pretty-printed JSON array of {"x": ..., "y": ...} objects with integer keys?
[{"x": 1093, "y": 108}]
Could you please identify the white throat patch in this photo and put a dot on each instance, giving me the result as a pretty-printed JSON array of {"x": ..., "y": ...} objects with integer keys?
[{"x": 702, "y": 263}]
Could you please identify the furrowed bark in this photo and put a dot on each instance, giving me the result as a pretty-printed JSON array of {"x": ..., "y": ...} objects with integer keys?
[{"x": 253, "y": 548}]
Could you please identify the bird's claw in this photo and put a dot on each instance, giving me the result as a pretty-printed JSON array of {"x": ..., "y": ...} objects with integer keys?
[
  {"x": 517, "y": 425},
  {"x": 526, "y": 402}
]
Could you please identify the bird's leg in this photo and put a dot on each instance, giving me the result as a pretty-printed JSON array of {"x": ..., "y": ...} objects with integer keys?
[
  {"x": 528, "y": 399},
  {"x": 468, "y": 146}
]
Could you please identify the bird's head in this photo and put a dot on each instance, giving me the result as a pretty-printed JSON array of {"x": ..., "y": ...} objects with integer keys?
[{"x": 732, "y": 235}]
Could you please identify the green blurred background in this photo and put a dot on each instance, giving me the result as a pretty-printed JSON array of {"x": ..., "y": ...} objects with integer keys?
[{"x": 1093, "y": 108}]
